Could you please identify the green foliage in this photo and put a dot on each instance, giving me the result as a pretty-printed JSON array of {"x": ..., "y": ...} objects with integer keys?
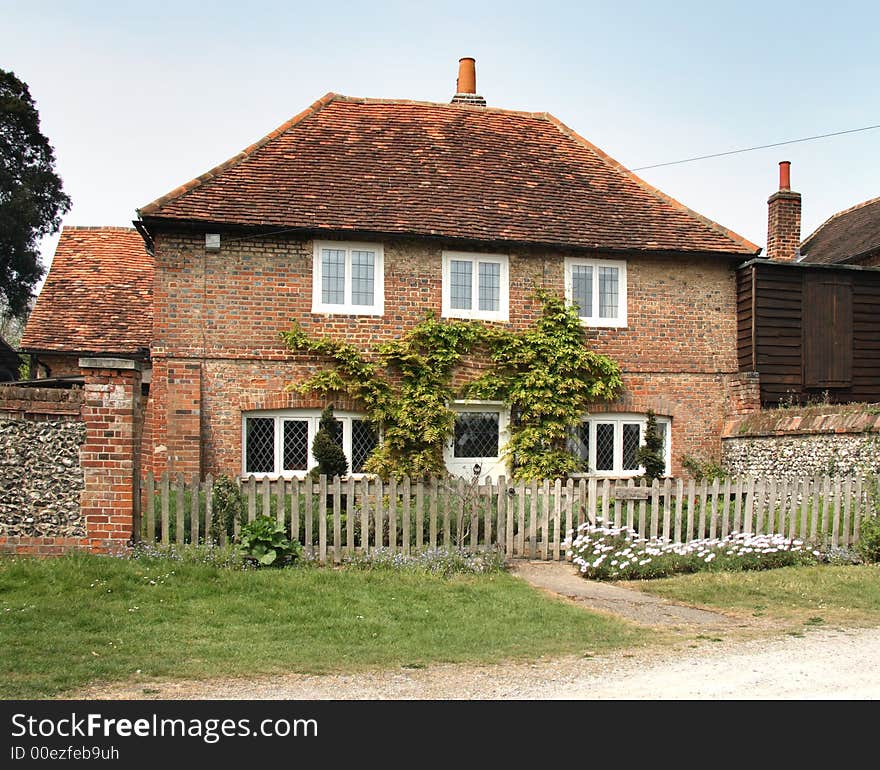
[
  {"x": 227, "y": 504},
  {"x": 31, "y": 197},
  {"x": 650, "y": 454},
  {"x": 331, "y": 459},
  {"x": 550, "y": 378},
  {"x": 546, "y": 374},
  {"x": 869, "y": 539},
  {"x": 701, "y": 468},
  {"x": 264, "y": 542}
]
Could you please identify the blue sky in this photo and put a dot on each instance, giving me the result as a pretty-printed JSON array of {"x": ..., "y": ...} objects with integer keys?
[{"x": 138, "y": 98}]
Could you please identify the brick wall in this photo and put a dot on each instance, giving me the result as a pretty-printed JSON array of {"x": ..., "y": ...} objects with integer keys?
[
  {"x": 218, "y": 314},
  {"x": 808, "y": 441}
]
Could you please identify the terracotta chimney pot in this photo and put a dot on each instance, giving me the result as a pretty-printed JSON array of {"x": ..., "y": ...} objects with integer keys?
[
  {"x": 785, "y": 175},
  {"x": 467, "y": 76}
]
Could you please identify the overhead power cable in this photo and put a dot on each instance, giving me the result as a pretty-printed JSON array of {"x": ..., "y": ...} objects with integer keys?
[{"x": 759, "y": 147}]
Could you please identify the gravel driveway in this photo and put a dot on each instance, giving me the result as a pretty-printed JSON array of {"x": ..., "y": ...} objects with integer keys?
[{"x": 704, "y": 662}]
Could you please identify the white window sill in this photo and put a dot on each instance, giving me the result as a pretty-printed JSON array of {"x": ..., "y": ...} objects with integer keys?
[
  {"x": 347, "y": 310},
  {"x": 475, "y": 315},
  {"x": 299, "y": 476},
  {"x": 603, "y": 323}
]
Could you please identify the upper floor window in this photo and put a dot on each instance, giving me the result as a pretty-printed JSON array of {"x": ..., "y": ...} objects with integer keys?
[
  {"x": 597, "y": 288},
  {"x": 348, "y": 278},
  {"x": 280, "y": 443},
  {"x": 607, "y": 443},
  {"x": 475, "y": 286}
]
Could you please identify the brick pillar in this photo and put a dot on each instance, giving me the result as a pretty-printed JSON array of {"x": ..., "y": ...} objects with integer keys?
[
  {"x": 784, "y": 220},
  {"x": 183, "y": 414},
  {"x": 110, "y": 455},
  {"x": 745, "y": 393}
]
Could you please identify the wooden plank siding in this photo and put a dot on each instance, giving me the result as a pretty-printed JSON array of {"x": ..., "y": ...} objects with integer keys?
[{"x": 810, "y": 328}]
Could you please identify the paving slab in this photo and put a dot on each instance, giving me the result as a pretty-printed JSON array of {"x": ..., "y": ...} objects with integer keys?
[{"x": 562, "y": 578}]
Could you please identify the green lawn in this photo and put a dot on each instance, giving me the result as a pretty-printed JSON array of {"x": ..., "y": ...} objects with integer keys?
[
  {"x": 69, "y": 621},
  {"x": 820, "y": 594}
]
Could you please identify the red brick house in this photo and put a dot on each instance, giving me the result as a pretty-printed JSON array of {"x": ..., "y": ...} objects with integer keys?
[{"x": 358, "y": 216}]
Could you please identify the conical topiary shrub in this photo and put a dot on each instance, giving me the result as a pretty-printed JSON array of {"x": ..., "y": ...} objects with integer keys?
[
  {"x": 650, "y": 454},
  {"x": 331, "y": 459}
]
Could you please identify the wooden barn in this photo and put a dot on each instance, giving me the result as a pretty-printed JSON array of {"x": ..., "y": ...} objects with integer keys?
[{"x": 808, "y": 329}]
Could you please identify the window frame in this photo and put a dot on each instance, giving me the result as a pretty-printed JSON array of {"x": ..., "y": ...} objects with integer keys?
[
  {"x": 619, "y": 419},
  {"x": 346, "y": 307},
  {"x": 474, "y": 313},
  {"x": 595, "y": 320},
  {"x": 313, "y": 417}
]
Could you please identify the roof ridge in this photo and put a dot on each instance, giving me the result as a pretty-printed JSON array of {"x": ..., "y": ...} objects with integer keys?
[
  {"x": 105, "y": 228},
  {"x": 656, "y": 192},
  {"x": 839, "y": 214},
  {"x": 447, "y": 105},
  {"x": 178, "y": 192}
]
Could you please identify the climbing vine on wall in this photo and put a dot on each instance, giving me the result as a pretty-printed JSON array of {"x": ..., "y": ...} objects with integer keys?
[
  {"x": 549, "y": 378},
  {"x": 545, "y": 373}
]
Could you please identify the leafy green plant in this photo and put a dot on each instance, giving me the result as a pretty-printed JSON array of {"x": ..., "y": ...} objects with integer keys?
[
  {"x": 264, "y": 541},
  {"x": 869, "y": 539},
  {"x": 330, "y": 456},
  {"x": 650, "y": 454}
]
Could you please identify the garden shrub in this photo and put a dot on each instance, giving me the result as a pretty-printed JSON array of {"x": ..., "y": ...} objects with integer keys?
[
  {"x": 227, "y": 504},
  {"x": 650, "y": 455},
  {"x": 330, "y": 456},
  {"x": 700, "y": 468},
  {"x": 869, "y": 539}
]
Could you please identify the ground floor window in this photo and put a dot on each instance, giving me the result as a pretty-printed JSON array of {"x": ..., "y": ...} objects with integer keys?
[
  {"x": 280, "y": 443},
  {"x": 607, "y": 443}
]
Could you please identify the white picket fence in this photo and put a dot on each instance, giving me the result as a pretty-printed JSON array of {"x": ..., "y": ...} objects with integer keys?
[{"x": 339, "y": 517}]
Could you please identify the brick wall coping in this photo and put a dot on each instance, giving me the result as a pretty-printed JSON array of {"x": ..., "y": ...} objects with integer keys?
[
  {"x": 41, "y": 401},
  {"x": 792, "y": 422},
  {"x": 110, "y": 363}
]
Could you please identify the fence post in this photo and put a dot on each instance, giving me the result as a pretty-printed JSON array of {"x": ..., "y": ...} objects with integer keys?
[
  {"x": 209, "y": 508},
  {"x": 406, "y": 515},
  {"x": 150, "y": 506},
  {"x": 194, "y": 509},
  {"x": 337, "y": 519}
]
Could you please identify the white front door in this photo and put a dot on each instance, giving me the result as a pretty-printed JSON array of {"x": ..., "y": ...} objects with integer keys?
[{"x": 480, "y": 433}]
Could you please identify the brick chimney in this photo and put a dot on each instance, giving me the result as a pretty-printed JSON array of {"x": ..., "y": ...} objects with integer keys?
[
  {"x": 784, "y": 219},
  {"x": 466, "y": 85}
]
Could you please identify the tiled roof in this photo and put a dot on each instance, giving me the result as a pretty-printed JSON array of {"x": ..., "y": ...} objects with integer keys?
[
  {"x": 848, "y": 234},
  {"x": 98, "y": 296},
  {"x": 447, "y": 170}
]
